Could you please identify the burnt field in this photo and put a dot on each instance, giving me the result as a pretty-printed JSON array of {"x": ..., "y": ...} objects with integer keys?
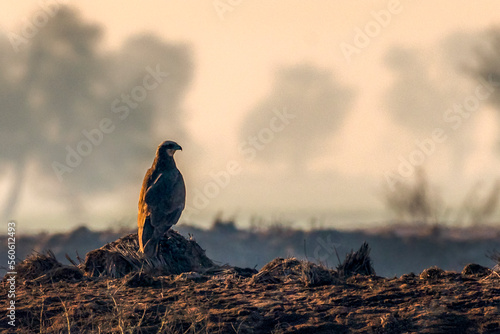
[
  {"x": 448, "y": 303},
  {"x": 114, "y": 290}
]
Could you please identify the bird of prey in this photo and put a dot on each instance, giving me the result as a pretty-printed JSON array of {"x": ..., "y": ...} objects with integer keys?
[{"x": 162, "y": 198}]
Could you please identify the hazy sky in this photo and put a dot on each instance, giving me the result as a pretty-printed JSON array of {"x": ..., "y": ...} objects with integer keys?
[{"x": 238, "y": 53}]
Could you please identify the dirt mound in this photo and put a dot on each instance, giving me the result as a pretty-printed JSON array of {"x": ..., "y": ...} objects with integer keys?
[
  {"x": 139, "y": 279},
  {"x": 45, "y": 268},
  {"x": 36, "y": 265},
  {"x": 292, "y": 270},
  {"x": 118, "y": 258},
  {"x": 473, "y": 269},
  {"x": 122, "y": 258},
  {"x": 228, "y": 271},
  {"x": 432, "y": 273}
]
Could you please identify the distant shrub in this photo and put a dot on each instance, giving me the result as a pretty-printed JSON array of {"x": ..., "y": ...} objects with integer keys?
[
  {"x": 416, "y": 201},
  {"x": 479, "y": 205}
]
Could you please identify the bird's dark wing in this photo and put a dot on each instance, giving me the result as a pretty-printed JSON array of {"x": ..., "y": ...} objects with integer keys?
[{"x": 167, "y": 193}]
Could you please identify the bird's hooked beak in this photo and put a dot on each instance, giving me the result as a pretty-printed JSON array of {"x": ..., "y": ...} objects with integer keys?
[{"x": 171, "y": 151}]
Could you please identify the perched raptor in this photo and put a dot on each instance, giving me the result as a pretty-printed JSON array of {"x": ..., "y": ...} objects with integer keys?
[{"x": 162, "y": 198}]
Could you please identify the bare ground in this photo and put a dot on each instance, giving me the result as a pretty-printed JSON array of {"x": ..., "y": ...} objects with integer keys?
[{"x": 286, "y": 296}]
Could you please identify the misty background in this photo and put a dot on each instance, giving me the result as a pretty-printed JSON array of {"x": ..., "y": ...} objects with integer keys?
[{"x": 88, "y": 91}]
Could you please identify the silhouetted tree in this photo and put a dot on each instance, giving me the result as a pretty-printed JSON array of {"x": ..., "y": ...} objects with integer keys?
[
  {"x": 416, "y": 99},
  {"x": 479, "y": 205},
  {"x": 48, "y": 98},
  {"x": 62, "y": 98},
  {"x": 486, "y": 64},
  {"x": 317, "y": 105}
]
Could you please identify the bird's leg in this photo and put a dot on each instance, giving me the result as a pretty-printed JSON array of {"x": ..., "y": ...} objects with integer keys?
[{"x": 151, "y": 248}]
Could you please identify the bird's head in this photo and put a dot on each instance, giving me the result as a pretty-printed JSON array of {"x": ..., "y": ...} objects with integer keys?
[{"x": 167, "y": 148}]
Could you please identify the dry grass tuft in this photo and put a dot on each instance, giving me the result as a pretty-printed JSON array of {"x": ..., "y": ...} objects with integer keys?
[
  {"x": 316, "y": 275},
  {"x": 278, "y": 270},
  {"x": 495, "y": 256},
  {"x": 36, "y": 265},
  {"x": 358, "y": 262}
]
